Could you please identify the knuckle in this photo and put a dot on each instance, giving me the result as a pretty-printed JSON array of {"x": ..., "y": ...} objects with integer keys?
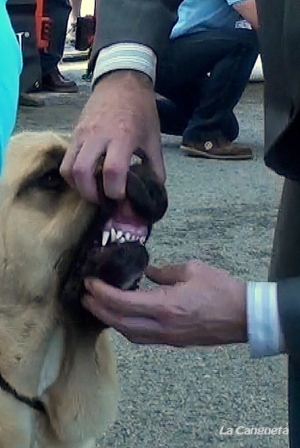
[
  {"x": 112, "y": 170},
  {"x": 192, "y": 265},
  {"x": 78, "y": 171}
]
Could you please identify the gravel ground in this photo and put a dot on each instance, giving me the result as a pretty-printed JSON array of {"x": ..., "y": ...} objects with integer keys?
[{"x": 224, "y": 213}]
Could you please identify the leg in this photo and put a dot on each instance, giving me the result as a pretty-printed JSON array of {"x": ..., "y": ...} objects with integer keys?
[
  {"x": 58, "y": 11},
  {"x": 228, "y": 55},
  {"x": 285, "y": 262},
  {"x": 76, "y": 7}
]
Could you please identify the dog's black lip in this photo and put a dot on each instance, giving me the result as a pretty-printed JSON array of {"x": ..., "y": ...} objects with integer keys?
[{"x": 71, "y": 268}]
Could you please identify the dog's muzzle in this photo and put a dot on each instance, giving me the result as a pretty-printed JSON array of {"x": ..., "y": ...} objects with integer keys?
[{"x": 113, "y": 247}]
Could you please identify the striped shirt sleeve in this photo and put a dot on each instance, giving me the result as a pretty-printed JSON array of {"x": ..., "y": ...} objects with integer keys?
[
  {"x": 125, "y": 56},
  {"x": 264, "y": 329}
]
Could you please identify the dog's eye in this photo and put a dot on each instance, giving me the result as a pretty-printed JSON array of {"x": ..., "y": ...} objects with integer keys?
[{"x": 51, "y": 180}]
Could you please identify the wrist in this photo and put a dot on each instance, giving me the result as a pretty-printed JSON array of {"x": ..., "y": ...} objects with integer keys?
[
  {"x": 239, "y": 330},
  {"x": 126, "y": 77},
  {"x": 125, "y": 57}
]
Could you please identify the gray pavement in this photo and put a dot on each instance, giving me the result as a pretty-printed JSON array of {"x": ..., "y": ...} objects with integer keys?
[{"x": 224, "y": 213}]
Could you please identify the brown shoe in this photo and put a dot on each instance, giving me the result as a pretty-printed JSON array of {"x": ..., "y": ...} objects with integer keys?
[
  {"x": 56, "y": 82},
  {"x": 27, "y": 100},
  {"x": 220, "y": 148}
]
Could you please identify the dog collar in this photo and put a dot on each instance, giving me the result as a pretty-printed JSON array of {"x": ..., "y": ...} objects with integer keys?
[{"x": 34, "y": 402}]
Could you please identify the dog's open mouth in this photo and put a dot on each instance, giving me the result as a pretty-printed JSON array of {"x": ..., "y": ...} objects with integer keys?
[{"x": 113, "y": 247}]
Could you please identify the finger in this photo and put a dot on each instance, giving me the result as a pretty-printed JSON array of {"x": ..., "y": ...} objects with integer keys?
[
  {"x": 137, "y": 329},
  {"x": 84, "y": 167},
  {"x": 127, "y": 303},
  {"x": 115, "y": 169},
  {"x": 68, "y": 162},
  {"x": 168, "y": 274},
  {"x": 155, "y": 157}
]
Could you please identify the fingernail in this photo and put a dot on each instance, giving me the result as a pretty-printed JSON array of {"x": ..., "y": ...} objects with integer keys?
[
  {"x": 88, "y": 284},
  {"x": 88, "y": 302},
  {"x": 115, "y": 188}
]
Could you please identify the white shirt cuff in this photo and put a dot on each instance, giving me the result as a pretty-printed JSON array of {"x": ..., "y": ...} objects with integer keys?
[
  {"x": 264, "y": 330},
  {"x": 126, "y": 56}
]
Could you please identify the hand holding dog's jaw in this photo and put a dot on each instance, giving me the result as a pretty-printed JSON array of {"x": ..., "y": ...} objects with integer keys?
[
  {"x": 119, "y": 119},
  {"x": 195, "y": 305}
]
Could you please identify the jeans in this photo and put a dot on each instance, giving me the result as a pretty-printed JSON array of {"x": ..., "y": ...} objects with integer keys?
[
  {"x": 58, "y": 11},
  {"x": 205, "y": 74}
]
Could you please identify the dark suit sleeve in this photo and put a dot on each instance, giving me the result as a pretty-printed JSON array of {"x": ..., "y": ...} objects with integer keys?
[
  {"x": 147, "y": 22},
  {"x": 288, "y": 291},
  {"x": 280, "y": 29}
]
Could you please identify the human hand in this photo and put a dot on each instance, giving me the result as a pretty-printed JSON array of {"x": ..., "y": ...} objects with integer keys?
[
  {"x": 196, "y": 305},
  {"x": 120, "y": 118}
]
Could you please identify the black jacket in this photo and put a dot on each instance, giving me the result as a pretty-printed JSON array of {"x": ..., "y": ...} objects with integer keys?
[{"x": 149, "y": 22}]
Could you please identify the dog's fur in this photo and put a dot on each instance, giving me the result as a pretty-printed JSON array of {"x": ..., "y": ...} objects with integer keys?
[{"x": 70, "y": 368}]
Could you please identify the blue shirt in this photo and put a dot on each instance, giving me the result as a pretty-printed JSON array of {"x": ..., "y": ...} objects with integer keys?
[
  {"x": 11, "y": 66},
  {"x": 200, "y": 15}
]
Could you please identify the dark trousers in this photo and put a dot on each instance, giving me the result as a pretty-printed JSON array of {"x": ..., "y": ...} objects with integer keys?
[
  {"x": 58, "y": 11},
  {"x": 208, "y": 101},
  {"x": 285, "y": 262}
]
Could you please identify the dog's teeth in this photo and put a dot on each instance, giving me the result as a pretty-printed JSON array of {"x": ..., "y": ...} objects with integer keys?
[
  {"x": 105, "y": 237},
  {"x": 122, "y": 239},
  {"x": 113, "y": 235},
  {"x": 143, "y": 240},
  {"x": 119, "y": 234},
  {"x": 128, "y": 236}
]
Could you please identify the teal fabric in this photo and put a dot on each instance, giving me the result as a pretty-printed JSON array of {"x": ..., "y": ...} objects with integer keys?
[
  {"x": 200, "y": 15},
  {"x": 11, "y": 66}
]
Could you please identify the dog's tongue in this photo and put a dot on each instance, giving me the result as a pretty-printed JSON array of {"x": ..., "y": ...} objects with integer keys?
[{"x": 126, "y": 223}]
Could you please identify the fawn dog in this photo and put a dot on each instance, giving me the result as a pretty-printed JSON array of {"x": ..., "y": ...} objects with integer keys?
[{"x": 58, "y": 379}]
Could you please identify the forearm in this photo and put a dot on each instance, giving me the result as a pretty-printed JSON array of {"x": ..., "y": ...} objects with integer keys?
[
  {"x": 247, "y": 9},
  {"x": 120, "y": 24}
]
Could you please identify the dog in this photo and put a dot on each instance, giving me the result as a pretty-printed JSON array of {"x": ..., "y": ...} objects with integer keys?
[{"x": 58, "y": 375}]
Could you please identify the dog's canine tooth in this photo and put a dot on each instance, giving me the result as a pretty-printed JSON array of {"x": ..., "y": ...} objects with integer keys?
[
  {"x": 142, "y": 239},
  {"x": 119, "y": 234},
  {"x": 113, "y": 234},
  {"x": 105, "y": 237}
]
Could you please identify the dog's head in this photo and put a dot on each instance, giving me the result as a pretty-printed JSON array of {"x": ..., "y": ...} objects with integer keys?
[{"x": 51, "y": 239}]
